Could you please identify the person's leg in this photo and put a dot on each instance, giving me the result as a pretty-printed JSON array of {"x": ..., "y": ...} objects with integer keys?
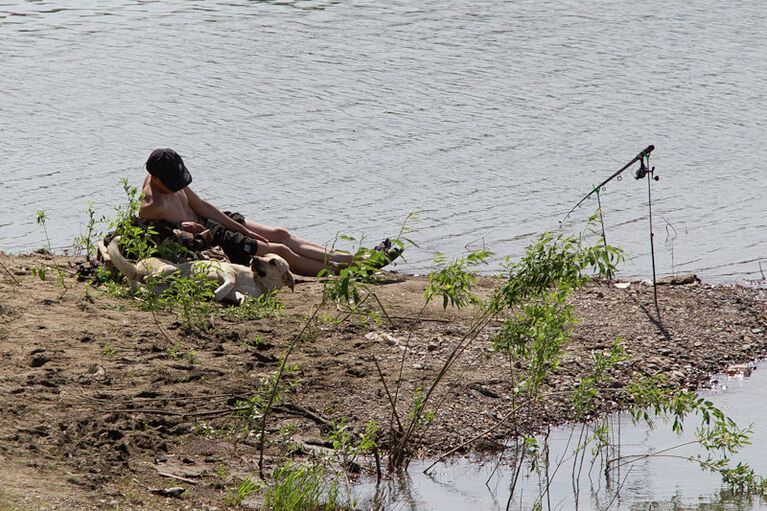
[
  {"x": 300, "y": 265},
  {"x": 300, "y": 246}
]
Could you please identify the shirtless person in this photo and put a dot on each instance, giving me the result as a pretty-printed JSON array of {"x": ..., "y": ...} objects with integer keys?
[{"x": 167, "y": 196}]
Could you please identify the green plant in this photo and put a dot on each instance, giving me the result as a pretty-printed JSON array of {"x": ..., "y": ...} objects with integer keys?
[
  {"x": 205, "y": 429},
  {"x": 189, "y": 295},
  {"x": 347, "y": 446},
  {"x": 324, "y": 318},
  {"x": 418, "y": 411},
  {"x": 275, "y": 388},
  {"x": 535, "y": 290},
  {"x": 85, "y": 241},
  {"x": 534, "y": 337},
  {"x": 589, "y": 387},
  {"x": 717, "y": 434},
  {"x": 245, "y": 488},
  {"x": 352, "y": 288},
  {"x": 310, "y": 334},
  {"x": 264, "y": 306},
  {"x": 742, "y": 480},
  {"x": 285, "y": 440},
  {"x": 301, "y": 488},
  {"x": 453, "y": 281},
  {"x": 41, "y": 219},
  {"x": 40, "y": 272},
  {"x": 108, "y": 350},
  {"x": 136, "y": 242},
  {"x": 222, "y": 472},
  {"x": 555, "y": 263},
  {"x": 256, "y": 342},
  {"x": 191, "y": 357},
  {"x": 174, "y": 351},
  {"x": 268, "y": 393},
  {"x": 114, "y": 306},
  {"x": 346, "y": 290}
]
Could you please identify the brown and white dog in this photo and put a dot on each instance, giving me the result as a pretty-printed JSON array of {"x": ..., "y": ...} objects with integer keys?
[{"x": 265, "y": 274}]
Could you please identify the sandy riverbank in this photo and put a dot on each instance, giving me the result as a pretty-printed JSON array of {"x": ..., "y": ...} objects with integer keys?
[{"x": 98, "y": 403}]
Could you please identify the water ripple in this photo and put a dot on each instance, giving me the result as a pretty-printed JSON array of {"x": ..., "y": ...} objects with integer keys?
[{"x": 492, "y": 118}]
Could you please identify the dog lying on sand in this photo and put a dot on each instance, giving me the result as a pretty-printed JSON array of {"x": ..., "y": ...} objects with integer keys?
[{"x": 264, "y": 275}]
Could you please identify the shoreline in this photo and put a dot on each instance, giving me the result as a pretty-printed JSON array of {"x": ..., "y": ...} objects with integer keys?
[{"x": 99, "y": 402}]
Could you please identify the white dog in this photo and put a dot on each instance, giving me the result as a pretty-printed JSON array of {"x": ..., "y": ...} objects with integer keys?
[{"x": 265, "y": 274}]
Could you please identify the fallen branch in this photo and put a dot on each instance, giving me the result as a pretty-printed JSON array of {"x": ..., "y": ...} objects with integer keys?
[
  {"x": 10, "y": 274},
  {"x": 471, "y": 440},
  {"x": 388, "y": 394},
  {"x": 300, "y": 410},
  {"x": 178, "y": 478},
  {"x": 413, "y": 319},
  {"x": 154, "y": 411}
]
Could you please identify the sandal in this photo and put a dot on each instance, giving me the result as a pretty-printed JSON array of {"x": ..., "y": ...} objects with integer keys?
[{"x": 391, "y": 252}]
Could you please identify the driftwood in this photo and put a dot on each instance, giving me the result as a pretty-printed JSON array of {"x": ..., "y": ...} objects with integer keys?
[{"x": 678, "y": 280}]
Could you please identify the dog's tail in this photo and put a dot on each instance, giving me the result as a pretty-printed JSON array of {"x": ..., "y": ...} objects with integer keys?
[{"x": 126, "y": 267}]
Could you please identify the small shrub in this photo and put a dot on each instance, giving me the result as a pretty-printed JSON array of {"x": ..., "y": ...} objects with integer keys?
[
  {"x": 453, "y": 282},
  {"x": 253, "y": 408},
  {"x": 301, "y": 488},
  {"x": 108, "y": 350},
  {"x": 85, "y": 242},
  {"x": 246, "y": 488},
  {"x": 189, "y": 295},
  {"x": 264, "y": 306},
  {"x": 41, "y": 219}
]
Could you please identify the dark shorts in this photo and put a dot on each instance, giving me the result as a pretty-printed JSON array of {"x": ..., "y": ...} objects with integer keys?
[{"x": 240, "y": 249}]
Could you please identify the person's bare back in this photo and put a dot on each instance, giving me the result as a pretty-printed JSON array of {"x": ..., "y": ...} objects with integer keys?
[{"x": 159, "y": 203}]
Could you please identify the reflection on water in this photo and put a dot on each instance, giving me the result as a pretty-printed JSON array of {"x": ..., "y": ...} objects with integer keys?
[
  {"x": 491, "y": 118},
  {"x": 664, "y": 481}
]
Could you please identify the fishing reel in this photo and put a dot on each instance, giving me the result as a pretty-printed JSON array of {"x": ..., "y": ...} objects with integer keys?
[{"x": 644, "y": 169}]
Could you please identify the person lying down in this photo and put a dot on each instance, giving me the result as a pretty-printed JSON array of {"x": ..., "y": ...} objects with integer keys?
[{"x": 167, "y": 197}]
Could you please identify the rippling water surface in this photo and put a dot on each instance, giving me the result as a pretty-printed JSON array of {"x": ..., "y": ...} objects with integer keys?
[
  {"x": 654, "y": 474},
  {"x": 490, "y": 118}
]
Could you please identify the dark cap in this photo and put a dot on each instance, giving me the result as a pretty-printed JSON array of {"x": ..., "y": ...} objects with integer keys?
[{"x": 167, "y": 165}]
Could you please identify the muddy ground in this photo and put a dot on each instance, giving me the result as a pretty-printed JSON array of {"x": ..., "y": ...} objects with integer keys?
[{"x": 100, "y": 409}]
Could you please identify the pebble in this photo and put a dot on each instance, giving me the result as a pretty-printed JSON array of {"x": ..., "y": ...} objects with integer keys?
[
  {"x": 175, "y": 491},
  {"x": 389, "y": 339},
  {"x": 679, "y": 375},
  {"x": 38, "y": 360},
  {"x": 95, "y": 372},
  {"x": 356, "y": 372},
  {"x": 385, "y": 337}
]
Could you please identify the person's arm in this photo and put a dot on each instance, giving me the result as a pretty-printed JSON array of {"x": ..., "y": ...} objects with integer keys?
[{"x": 205, "y": 209}]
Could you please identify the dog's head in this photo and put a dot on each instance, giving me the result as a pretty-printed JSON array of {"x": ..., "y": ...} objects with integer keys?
[{"x": 272, "y": 272}]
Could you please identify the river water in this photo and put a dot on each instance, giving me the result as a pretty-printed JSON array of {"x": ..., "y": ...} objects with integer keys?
[
  {"x": 661, "y": 481},
  {"x": 489, "y": 118}
]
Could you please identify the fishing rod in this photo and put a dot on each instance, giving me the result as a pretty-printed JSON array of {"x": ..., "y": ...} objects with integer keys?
[
  {"x": 639, "y": 157},
  {"x": 644, "y": 170}
]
